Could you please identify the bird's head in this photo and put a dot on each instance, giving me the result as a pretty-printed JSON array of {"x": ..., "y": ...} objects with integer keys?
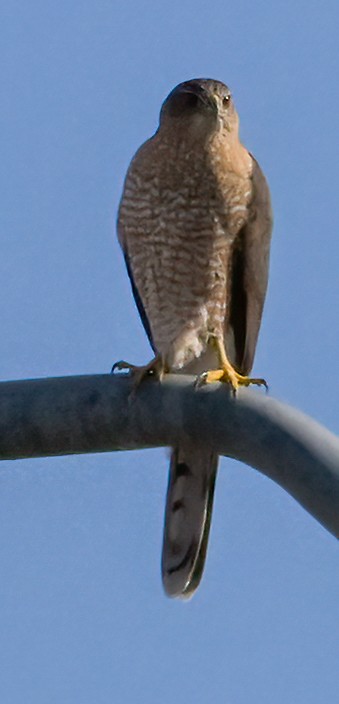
[{"x": 200, "y": 105}]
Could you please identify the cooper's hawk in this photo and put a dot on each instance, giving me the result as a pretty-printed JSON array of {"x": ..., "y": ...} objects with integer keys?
[{"x": 195, "y": 225}]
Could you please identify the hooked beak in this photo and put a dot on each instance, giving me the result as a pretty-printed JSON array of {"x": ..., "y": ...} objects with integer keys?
[{"x": 200, "y": 93}]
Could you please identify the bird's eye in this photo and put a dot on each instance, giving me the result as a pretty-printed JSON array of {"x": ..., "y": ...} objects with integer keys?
[{"x": 226, "y": 100}]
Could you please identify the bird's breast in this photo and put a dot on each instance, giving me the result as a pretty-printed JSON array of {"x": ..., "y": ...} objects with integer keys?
[{"x": 180, "y": 219}]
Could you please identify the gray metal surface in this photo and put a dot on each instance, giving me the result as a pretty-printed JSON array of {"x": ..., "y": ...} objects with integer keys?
[{"x": 82, "y": 414}]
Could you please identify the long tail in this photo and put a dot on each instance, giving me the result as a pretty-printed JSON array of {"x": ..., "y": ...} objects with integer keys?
[{"x": 188, "y": 514}]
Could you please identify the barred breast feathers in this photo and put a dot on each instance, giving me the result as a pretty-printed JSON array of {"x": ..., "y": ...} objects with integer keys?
[{"x": 178, "y": 221}]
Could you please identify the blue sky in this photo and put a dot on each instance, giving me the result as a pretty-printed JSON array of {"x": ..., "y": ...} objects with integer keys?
[{"x": 83, "y": 618}]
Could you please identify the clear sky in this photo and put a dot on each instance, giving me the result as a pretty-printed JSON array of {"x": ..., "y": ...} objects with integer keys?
[{"x": 83, "y": 619}]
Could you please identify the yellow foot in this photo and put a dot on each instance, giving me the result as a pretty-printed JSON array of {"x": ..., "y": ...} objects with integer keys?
[
  {"x": 155, "y": 368},
  {"x": 230, "y": 376}
]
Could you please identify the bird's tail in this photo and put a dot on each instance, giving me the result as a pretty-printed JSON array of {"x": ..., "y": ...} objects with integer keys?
[{"x": 188, "y": 513}]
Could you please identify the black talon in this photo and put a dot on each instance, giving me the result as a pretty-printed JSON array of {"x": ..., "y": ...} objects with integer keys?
[
  {"x": 264, "y": 383},
  {"x": 200, "y": 380},
  {"x": 120, "y": 365}
]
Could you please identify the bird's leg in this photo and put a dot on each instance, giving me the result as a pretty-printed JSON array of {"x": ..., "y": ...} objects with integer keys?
[
  {"x": 226, "y": 373},
  {"x": 155, "y": 368}
]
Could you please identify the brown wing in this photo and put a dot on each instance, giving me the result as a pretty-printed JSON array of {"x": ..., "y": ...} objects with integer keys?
[
  {"x": 249, "y": 276},
  {"x": 136, "y": 295}
]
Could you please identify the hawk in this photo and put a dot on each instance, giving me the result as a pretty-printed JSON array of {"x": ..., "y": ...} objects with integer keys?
[{"x": 194, "y": 225}]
